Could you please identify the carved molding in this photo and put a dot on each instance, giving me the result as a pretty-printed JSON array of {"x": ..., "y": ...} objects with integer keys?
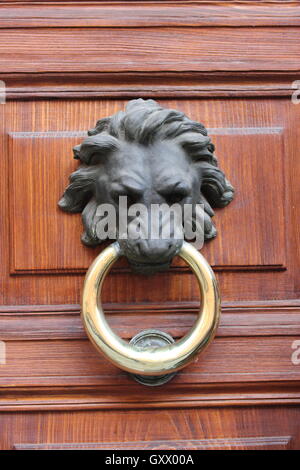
[
  {"x": 243, "y": 443},
  {"x": 154, "y": 85},
  {"x": 42, "y": 322},
  {"x": 34, "y": 397}
]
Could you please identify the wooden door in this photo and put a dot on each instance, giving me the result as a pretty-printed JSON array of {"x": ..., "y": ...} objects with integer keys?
[{"x": 230, "y": 65}]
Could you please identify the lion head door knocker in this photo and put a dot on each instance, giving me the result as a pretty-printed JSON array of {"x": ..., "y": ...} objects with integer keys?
[{"x": 151, "y": 156}]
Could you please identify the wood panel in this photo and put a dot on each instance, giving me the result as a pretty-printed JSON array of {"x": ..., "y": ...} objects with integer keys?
[
  {"x": 149, "y": 14},
  {"x": 234, "y": 426},
  {"x": 132, "y": 49},
  {"x": 76, "y": 363},
  {"x": 259, "y": 131},
  {"x": 42, "y": 240},
  {"x": 47, "y": 240}
]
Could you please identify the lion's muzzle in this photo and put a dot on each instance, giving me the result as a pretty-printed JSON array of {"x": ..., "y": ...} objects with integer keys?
[{"x": 147, "y": 256}]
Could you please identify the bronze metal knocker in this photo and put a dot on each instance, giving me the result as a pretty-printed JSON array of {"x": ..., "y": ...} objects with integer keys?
[{"x": 150, "y": 155}]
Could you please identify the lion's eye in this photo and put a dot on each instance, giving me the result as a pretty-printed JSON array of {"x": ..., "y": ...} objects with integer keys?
[
  {"x": 131, "y": 198},
  {"x": 175, "y": 197}
]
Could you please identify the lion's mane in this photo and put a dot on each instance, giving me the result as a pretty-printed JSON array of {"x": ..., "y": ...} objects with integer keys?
[{"x": 144, "y": 122}]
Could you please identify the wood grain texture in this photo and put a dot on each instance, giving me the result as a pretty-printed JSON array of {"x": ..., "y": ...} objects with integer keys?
[
  {"x": 76, "y": 363},
  {"x": 149, "y": 14},
  {"x": 138, "y": 50},
  {"x": 109, "y": 427}
]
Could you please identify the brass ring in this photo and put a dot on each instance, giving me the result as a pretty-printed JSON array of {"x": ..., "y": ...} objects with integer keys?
[{"x": 152, "y": 361}]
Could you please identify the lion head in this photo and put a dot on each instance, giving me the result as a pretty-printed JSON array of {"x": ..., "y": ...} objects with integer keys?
[{"x": 153, "y": 155}]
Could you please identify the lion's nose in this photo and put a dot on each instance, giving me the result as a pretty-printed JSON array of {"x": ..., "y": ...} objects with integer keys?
[{"x": 156, "y": 251}]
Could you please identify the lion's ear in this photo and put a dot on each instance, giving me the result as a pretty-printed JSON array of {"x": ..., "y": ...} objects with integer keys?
[{"x": 94, "y": 148}]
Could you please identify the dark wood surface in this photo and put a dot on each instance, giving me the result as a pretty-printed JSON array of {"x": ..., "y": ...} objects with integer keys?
[{"x": 230, "y": 65}]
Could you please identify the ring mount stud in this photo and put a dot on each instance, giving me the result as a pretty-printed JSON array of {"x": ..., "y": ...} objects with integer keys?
[
  {"x": 152, "y": 339},
  {"x": 152, "y": 357}
]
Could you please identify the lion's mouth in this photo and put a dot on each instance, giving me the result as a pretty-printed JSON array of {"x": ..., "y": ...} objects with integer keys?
[{"x": 148, "y": 268}]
